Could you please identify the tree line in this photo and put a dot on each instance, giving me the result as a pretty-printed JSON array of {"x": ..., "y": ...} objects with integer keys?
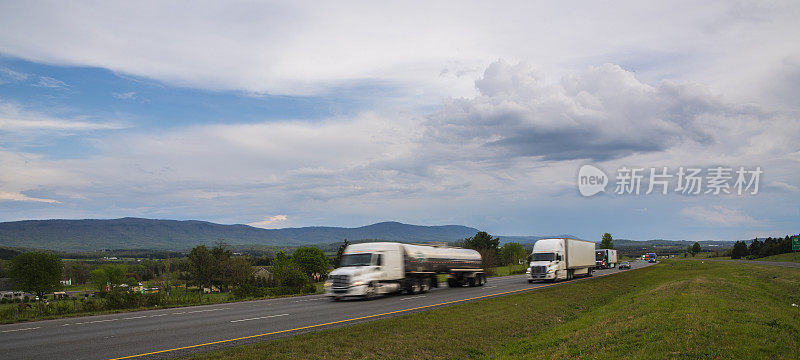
[{"x": 758, "y": 249}]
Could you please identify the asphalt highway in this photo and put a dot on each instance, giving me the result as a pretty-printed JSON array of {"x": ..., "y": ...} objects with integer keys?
[{"x": 165, "y": 333}]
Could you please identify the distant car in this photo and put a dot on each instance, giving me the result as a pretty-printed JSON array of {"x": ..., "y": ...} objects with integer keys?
[{"x": 625, "y": 265}]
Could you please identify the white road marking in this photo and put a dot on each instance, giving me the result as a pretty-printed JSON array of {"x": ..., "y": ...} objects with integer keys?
[
  {"x": 414, "y": 297},
  {"x": 199, "y": 311},
  {"x": 143, "y": 316},
  {"x": 13, "y": 330},
  {"x": 304, "y": 300},
  {"x": 259, "y": 318}
]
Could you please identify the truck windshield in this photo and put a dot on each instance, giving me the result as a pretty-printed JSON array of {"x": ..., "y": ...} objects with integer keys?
[
  {"x": 599, "y": 256},
  {"x": 357, "y": 260},
  {"x": 543, "y": 257}
]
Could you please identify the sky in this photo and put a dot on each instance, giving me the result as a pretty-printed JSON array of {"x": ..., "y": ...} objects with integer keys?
[{"x": 347, "y": 113}]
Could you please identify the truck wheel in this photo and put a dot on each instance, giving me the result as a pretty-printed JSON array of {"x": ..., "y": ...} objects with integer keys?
[
  {"x": 530, "y": 281},
  {"x": 415, "y": 286},
  {"x": 482, "y": 280},
  {"x": 425, "y": 285},
  {"x": 471, "y": 281},
  {"x": 370, "y": 292},
  {"x": 452, "y": 283}
]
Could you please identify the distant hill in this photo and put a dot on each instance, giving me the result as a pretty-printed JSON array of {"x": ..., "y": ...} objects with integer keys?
[
  {"x": 137, "y": 233},
  {"x": 532, "y": 239}
]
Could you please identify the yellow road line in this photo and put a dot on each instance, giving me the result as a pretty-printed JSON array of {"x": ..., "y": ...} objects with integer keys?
[{"x": 348, "y": 320}]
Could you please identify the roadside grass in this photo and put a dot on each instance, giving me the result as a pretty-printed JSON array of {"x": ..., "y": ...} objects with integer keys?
[
  {"x": 676, "y": 309},
  {"x": 80, "y": 306},
  {"x": 787, "y": 257}
]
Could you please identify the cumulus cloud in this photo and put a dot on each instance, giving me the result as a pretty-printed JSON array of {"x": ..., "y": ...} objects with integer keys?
[
  {"x": 602, "y": 113},
  {"x": 270, "y": 221},
  {"x": 717, "y": 215}
]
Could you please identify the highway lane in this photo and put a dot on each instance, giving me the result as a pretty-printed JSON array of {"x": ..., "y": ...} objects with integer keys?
[{"x": 142, "y": 332}]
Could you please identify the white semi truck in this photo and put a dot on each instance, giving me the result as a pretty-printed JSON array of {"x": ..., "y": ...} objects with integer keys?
[
  {"x": 371, "y": 269},
  {"x": 560, "y": 259},
  {"x": 605, "y": 258}
]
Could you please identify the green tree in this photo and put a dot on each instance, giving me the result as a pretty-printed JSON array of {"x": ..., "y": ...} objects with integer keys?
[
  {"x": 109, "y": 277},
  {"x": 337, "y": 261},
  {"x": 481, "y": 240},
  {"x": 237, "y": 271},
  {"x": 739, "y": 250},
  {"x": 201, "y": 266},
  {"x": 78, "y": 271},
  {"x": 287, "y": 273},
  {"x": 311, "y": 261},
  {"x": 607, "y": 242},
  {"x": 695, "y": 248},
  {"x": 486, "y": 245},
  {"x": 512, "y": 252},
  {"x": 37, "y": 272}
]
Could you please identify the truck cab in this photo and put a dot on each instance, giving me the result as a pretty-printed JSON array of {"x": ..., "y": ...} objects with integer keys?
[
  {"x": 546, "y": 260},
  {"x": 367, "y": 270}
]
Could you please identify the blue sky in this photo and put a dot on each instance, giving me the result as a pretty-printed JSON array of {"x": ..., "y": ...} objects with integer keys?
[{"x": 305, "y": 114}]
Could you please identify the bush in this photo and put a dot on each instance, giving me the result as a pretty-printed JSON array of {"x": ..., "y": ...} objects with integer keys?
[
  {"x": 89, "y": 305},
  {"x": 309, "y": 289}
]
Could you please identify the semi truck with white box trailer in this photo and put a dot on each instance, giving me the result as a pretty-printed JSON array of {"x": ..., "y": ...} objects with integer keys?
[
  {"x": 560, "y": 259},
  {"x": 371, "y": 269},
  {"x": 605, "y": 258}
]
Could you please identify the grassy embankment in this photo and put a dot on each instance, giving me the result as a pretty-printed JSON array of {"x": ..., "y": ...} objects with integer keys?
[
  {"x": 788, "y": 257},
  {"x": 677, "y": 309}
]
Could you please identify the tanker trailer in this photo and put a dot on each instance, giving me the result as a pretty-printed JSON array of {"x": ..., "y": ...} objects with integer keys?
[{"x": 371, "y": 269}]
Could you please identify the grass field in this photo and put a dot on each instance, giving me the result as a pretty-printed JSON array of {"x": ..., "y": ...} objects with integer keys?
[
  {"x": 788, "y": 257},
  {"x": 677, "y": 309}
]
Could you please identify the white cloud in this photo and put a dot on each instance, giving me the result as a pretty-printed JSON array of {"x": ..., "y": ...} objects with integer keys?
[
  {"x": 312, "y": 47},
  {"x": 15, "y": 118},
  {"x": 49, "y": 82},
  {"x": 11, "y": 76},
  {"x": 601, "y": 113},
  {"x": 125, "y": 96},
  {"x": 270, "y": 221},
  {"x": 15, "y": 196},
  {"x": 717, "y": 215},
  {"x": 784, "y": 186}
]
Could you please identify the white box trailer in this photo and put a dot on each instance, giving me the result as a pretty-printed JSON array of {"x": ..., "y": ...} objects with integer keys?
[
  {"x": 560, "y": 259},
  {"x": 370, "y": 269},
  {"x": 605, "y": 258}
]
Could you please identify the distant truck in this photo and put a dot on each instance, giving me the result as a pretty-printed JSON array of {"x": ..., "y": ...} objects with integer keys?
[
  {"x": 605, "y": 259},
  {"x": 560, "y": 259},
  {"x": 651, "y": 257},
  {"x": 371, "y": 269}
]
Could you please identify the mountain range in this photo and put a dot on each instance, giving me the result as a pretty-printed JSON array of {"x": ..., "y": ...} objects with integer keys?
[{"x": 137, "y": 233}]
